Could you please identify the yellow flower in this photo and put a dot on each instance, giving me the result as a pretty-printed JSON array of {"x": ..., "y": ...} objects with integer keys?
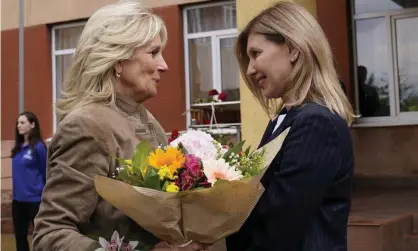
[
  {"x": 172, "y": 158},
  {"x": 129, "y": 165},
  {"x": 172, "y": 188},
  {"x": 164, "y": 172}
]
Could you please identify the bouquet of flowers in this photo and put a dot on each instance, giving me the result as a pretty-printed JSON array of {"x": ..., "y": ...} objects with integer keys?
[{"x": 194, "y": 189}]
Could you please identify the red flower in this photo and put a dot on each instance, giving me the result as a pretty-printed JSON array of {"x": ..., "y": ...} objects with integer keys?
[
  {"x": 192, "y": 175},
  {"x": 174, "y": 135},
  {"x": 188, "y": 183},
  {"x": 222, "y": 96},
  {"x": 213, "y": 92},
  {"x": 205, "y": 184}
]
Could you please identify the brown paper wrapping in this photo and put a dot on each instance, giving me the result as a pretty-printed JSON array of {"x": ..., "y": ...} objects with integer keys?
[{"x": 203, "y": 215}]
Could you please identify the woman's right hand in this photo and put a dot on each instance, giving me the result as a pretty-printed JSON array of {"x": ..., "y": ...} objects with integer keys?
[{"x": 194, "y": 246}]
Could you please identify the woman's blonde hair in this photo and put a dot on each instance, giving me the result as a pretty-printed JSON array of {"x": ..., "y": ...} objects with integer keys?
[
  {"x": 313, "y": 78},
  {"x": 111, "y": 34}
]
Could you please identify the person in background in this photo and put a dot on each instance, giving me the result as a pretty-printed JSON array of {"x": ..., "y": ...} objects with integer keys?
[
  {"x": 28, "y": 175},
  {"x": 368, "y": 95}
]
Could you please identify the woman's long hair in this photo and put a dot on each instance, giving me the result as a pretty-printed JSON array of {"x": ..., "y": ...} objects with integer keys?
[
  {"x": 313, "y": 78},
  {"x": 111, "y": 35},
  {"x": 34, "y": 134}
]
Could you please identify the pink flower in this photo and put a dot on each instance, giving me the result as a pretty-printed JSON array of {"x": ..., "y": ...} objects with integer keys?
[
  {"x": 220, "y": 169},
  {"x": 112, "y": 245},
  {"x": 128, "y": 246},
  {"x": 116, "y": 244},
  {"x": 198, "y": 143},
  {"x": 192, "y": 163}
]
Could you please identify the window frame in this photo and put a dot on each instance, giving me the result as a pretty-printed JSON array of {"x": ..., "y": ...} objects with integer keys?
[
  {"x": 55, "y": 52},
  {"x": 396, "y": 117},
  {"x": 215, "y": 37}
]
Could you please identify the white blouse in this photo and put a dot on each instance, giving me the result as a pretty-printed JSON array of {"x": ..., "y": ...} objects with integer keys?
[{"x": 279, "y": 121}]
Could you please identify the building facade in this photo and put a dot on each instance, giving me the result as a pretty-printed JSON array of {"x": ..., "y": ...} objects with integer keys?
[{"x": 374, "y": 42}]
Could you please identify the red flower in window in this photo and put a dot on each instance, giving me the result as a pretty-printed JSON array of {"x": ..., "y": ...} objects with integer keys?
[
  {"x": 222, "y": 96},
  {"x": 213, "y": 92},
  {"x": 174, "y": 135}
]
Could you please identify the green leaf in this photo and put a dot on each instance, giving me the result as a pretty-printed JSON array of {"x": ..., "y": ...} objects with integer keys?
[
  {"x": 247, "y": 151},
  {"x": 130, "y": 179},
  {"x": 235, "y": 149},
  {"x": 122, "y": 162},
  {"x": 152, "y": 179},
  {"x": 140, "y": 159}
]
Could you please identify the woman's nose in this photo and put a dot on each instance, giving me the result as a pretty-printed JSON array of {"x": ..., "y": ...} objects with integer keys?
[
  {"x": 250, "y": 70},
  {"x": 162, "y": 65}
]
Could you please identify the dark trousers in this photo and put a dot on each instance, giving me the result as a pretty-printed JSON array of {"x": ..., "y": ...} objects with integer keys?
[{"x": 23, "y": 214}]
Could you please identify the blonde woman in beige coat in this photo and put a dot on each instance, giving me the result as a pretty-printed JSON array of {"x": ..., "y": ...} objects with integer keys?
[{"x": 117, "y": 65}]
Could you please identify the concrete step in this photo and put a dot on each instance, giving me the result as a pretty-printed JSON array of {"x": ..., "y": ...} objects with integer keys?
[
  {"x": 411, "y": 242},
  {"x": 415, "y": 226},
  {"x": 381, "y": 233}
]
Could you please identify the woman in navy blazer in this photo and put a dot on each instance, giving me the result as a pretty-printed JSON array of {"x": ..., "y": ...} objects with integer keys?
[{"x": 283, "y": 53}]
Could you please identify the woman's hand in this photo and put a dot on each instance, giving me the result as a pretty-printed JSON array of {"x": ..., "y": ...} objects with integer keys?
[{"x": 194, "y": 246}]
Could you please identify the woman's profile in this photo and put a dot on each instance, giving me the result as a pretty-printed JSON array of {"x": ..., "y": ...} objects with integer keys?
[
  {"x": 116, "y": 67},
  {"x": 283, "y": 53}
]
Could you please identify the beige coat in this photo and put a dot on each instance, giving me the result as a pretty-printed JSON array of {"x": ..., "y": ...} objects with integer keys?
[{"x": 72, "y": 216}]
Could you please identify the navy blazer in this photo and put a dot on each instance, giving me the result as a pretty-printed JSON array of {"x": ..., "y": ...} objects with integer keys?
[{"x": 308, "y": 185}]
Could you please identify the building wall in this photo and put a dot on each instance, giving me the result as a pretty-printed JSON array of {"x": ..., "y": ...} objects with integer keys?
[
  {"x": 38, "y": 79},
  {"x": 334, "y": 20},
  {"x": 386, "y": 151},
  {"x": 170, "y": 102},
  {"x": 52, "y": 11},
  {"x": 38, "y": 85}
]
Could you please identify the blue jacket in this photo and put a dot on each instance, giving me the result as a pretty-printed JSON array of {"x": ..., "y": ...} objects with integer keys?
[
  {"x": 306, "y": 203},
  {"x": 29, "y": 173}
]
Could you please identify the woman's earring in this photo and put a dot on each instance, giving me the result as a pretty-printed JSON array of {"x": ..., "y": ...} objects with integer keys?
[{"x": 117, "y": 74}]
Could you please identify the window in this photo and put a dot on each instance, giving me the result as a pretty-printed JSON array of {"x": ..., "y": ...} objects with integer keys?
[
  {"x": 64, "y": 41},
  {"x": 210, "y": 33},
  {"x": 386, "y": 52}
]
